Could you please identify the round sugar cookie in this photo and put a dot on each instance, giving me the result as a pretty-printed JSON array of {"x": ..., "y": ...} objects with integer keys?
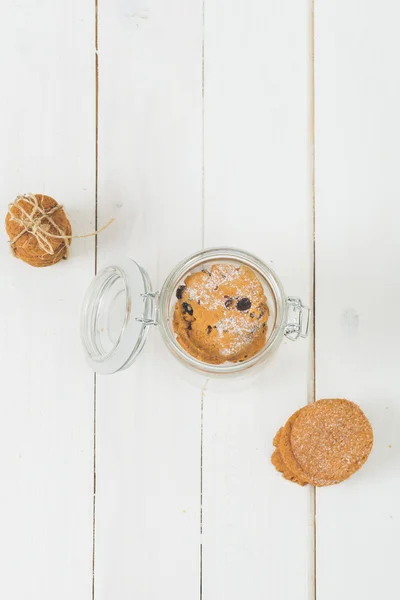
[
  {"x": 328, "y": 441},
  {"x": 285, "y": 448}
]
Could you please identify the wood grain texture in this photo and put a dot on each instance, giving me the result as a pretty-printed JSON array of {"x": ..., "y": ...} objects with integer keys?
[
  {"x": 357, "y": 49},
  {"x": 204, "y": 138},
  {"x": 150, "y": 180},
  {"x": 47, "y": 127},
  {"x": 258, "y": 528}
]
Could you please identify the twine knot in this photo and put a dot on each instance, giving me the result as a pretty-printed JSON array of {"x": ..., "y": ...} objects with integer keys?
[
  {"x": 38, "y": 223},
  {"x": 33, "y": 224}
]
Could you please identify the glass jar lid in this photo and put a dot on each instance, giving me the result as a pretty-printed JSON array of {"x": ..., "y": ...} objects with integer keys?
[
  {"x": 117, "y": 310},
  {"x": 120, "y": 306}
]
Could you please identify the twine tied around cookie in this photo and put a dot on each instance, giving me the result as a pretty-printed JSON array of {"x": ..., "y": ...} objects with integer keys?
[{"x": 37, "y": 223}]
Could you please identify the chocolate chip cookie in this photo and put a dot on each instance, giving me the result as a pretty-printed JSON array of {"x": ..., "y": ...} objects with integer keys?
[{"x": 221, "y": 314}]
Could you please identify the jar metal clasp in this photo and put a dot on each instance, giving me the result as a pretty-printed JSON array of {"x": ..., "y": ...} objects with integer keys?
[
  {"x": 150, "y": 315},
  {"x": 298, "y": 323}
]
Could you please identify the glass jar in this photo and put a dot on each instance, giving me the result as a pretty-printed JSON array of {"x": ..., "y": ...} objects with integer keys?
[{"x": 120, "y": 308}]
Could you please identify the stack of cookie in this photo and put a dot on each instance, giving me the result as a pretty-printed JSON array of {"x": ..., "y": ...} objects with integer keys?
[
  {"x": 39, "y": 230},
  {"x": 323, "y": 443}
]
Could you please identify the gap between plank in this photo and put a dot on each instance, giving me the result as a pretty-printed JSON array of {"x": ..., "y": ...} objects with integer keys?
[
  {"x": 201, "y": 461},
  {"x": 203, "y": 202},
  {"x": 201, "y": 495},
  {"x": 96, "y": 183},
  {"x": 314, "y": 386},
  {"x": 94, "y": 482},
  {"x": 203, "y": 210},
  {"x": 203, "y": 392}
]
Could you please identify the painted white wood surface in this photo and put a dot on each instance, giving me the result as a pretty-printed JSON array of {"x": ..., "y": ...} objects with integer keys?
[
  {"x": 258, "y": 196},
  {"x": 47, "y": 131},
  {"x": 148, "y": 417},
  {"x": 357, "y": 74},
  {"x": 204, "y": 137}
]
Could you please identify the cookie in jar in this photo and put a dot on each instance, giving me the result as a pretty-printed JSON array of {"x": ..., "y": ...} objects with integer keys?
[{"x": 221, "y": 312}]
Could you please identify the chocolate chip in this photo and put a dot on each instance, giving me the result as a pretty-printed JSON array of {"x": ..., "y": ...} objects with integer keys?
[
  {"x": 209, "y": 329},
  {"x": 215, "y": 289},
  {"x": 251, "y": 315},
  {"x": 229, "y": 302},
  {"x": 187, "y": 308},
  {"x": 180, "y": 291},
  {"x": 198, "y": 301},
  {"x": 190, "y": 327},
  {"x": 243, "y": 304}
]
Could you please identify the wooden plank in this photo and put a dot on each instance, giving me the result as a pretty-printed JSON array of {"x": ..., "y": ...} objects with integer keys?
[
  {"x": 357, "y": 215},
  {"x": 258, "y": 528},
  {"x": 150, "y": 178},
  {"x": 47, "y": 124}
]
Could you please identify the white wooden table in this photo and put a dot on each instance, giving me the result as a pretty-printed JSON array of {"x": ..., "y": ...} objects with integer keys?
[{"x": 196, "y": 123}]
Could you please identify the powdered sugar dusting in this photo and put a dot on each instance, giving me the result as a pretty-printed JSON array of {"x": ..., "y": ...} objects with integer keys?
[
  {"x": 203, "y": 289},
  {"x": 331, "y": 439},
  {"x": 239, "y": 330},
  {"x": 223, "y": 313}
]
